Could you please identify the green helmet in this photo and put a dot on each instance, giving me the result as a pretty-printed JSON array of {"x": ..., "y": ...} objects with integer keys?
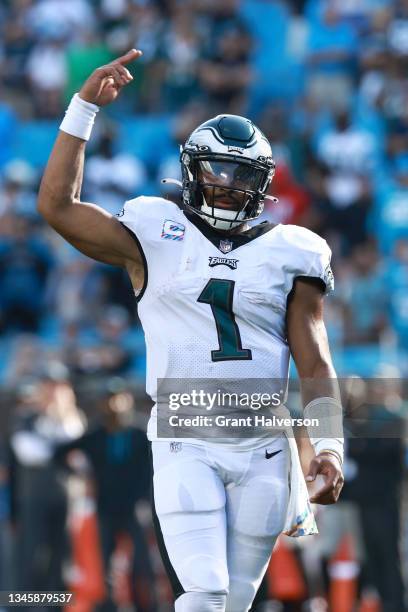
[{"x": 227, "y": 167}]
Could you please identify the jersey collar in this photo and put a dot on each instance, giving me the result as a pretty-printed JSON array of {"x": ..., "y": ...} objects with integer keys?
[{"x": 228, "y": 242}]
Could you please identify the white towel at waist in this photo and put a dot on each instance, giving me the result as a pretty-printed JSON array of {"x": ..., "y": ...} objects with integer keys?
[{"x": 300, "y": 519}]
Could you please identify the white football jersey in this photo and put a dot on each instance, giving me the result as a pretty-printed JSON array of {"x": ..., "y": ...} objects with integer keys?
[{"x": 214, "y": 307}]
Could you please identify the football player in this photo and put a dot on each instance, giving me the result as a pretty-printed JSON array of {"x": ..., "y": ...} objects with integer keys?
[{"x": 217, "y": 299}]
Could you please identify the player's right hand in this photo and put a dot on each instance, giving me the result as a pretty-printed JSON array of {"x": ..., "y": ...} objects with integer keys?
[
  {"x": 330, "y": 468},
  {"x": 106, "y": 82}
]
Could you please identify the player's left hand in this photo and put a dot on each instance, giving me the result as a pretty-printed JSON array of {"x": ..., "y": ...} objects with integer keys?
[{"x": 330, "y": 468}]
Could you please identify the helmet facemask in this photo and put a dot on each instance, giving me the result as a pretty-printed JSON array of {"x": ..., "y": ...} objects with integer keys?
[{"x": 225, "y": 190}]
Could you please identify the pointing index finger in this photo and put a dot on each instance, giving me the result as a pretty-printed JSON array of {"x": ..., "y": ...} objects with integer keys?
[{"x": 130, "y": 56}]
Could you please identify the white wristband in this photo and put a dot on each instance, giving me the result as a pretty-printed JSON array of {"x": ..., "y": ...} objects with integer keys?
[
  {"x": 328, "y": 433},
  {"x": 79, "y": 118}
]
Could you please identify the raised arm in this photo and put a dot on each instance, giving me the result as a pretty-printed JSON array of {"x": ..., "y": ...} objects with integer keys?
[
  {"x": 86, "y": 226},
  {"x": 310, "y": 350}
]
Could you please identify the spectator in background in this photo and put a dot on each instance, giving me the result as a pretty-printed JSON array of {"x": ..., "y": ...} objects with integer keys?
[
  {"x": 105, "y": 351},
  {"x": 16, "y": 44},
  {"x": 191, "y": 115},
  {"x": 362, "y": 293},
  {"x": 118, "y": 452},
  {"x": 146, "y": 29},
  {"x": 273, "y": 121},
  {"x": 76, "y": 292},
  {"x": 226, "y": 74},
  {"x": 25, "y": 263},
  {"x": 341, "y": 206},
  {"x": 181, "y": 52},
  {"x": 26, "y": 360},
  {"x": 374, "y": 58},
  {"x": 112, "y": 177},
  {"x": 397, "y": 33},
  {"x": 46, "y": 416},
  {"x": 391, "y": 210},
  {"x": 348, "y": 155},
  {"x": 397, "y": 142},
  {"x": 373, "y": 478},
  {"x": 347, "y": 147},
  {"x": 113, "y": 14},
  {"x": 392, "y": 96},
  {"x": 118, "y": 290},
  {"x": 217, "y": 19},
  {"x": 17, "y": 193},
  {"x": 67, "y": 20},
  {"x": 47, "y": 76},
  {"x": 396, "y": 281},
  {"x": 358, "y": 13},
  {"x": 333, "y": 47},
  {"x": 294, "y": 201}
]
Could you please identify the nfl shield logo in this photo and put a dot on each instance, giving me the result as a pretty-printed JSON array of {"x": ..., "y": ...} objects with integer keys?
[{"x": 225, "y": 246}]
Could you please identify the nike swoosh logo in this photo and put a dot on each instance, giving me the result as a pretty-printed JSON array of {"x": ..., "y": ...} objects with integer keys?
[{"x": 269, "y": 455}]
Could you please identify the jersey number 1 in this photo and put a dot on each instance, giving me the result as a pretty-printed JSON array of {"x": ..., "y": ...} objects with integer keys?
[{"x": 219, "y": 294}]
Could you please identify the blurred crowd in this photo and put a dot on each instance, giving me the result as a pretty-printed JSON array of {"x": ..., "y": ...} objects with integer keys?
[{"x": 326, "y": 80}]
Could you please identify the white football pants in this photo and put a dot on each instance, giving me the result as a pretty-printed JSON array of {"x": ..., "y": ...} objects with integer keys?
[{"x": 219, "y": 514}]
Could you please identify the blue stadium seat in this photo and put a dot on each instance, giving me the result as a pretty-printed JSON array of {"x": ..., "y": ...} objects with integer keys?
[
  {"x": 137, "y": 370},
  {"x": 148, "y": 138},
  {"x": 268, "y": 22},
  {"x": 8, "y": 122},
  {"x": 135, "y": 341},
  {"x": 50, "y": 331},
  {"x": 6, "y": 343},
  {"x": 365, "y": 360},
  {"x": 33, "y": 141}
]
